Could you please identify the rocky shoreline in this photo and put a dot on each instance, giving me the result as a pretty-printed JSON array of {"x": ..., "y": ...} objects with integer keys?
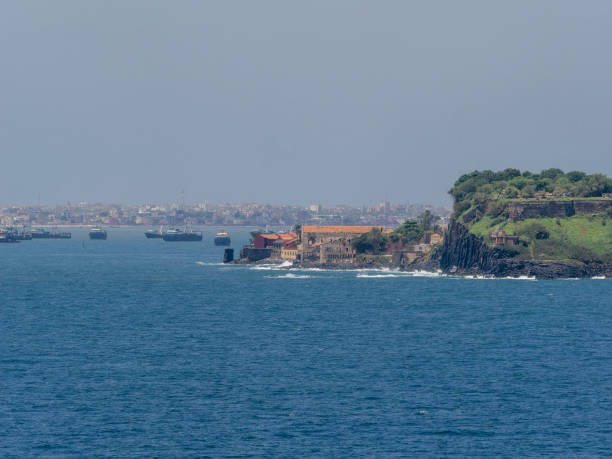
[{"x": 463, "y": 253}]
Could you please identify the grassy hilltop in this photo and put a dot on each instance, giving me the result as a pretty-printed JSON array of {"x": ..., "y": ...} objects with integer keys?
[{"x": 482, "y": 201}]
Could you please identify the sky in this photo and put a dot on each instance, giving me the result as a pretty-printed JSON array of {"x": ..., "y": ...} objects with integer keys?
[{"x": 282, "y": 102}]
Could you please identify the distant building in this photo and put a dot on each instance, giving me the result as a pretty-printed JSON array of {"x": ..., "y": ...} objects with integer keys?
[
  {"x": 267, "y": 240},
  {"x": 289, "y": 250},
  {"x": 331, "y": 244},
  {"x": 499, "y": 237},
  {"x": 431, "y": 237}
]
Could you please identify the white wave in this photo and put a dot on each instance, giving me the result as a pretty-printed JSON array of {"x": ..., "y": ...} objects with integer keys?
[
  {"x": 420, "y": 273},
  {"x": 383, "y": 270},
  {"x": 290, "y": 276},
  {"x": 598, "y": 277},
  {"x": 375, "y": 276},
  {"x": 529, "y": 278},
  {"x": 310, "y": 269},
  {"x": 203, "y": 263},
  {"x": 272, "y": 266}
]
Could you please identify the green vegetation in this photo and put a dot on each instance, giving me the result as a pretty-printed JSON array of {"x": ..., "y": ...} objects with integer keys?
[
  {"x": 410, "y": 231},
  {"x": 581, "y": 237},
  {"x": 477, "y": 188},
  {"x": 374, "y": 242},
  {"x": 254, "y": 234},
  {"x": 480, "y": 200},
  {"x": 297, "y": 229},
  {"x": 485, "y": 225},
  {"x": 428, "y": 221}
]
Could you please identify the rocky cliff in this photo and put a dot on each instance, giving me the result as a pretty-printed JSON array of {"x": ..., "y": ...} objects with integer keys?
[{"x": 465, "y": 253}]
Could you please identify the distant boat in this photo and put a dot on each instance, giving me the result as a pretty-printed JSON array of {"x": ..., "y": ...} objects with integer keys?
[
  {"x": 8, "y": 237},
  {"x": 24, "y": 236},
  {"x": 222, "y": 238},
  {"x": 178, "y": 235},
  {"x": 155, "y": 234},
  {"x": 97, "y": 233},
  {"x": 18, "y": 233},
  {"x": 40, "y": 233}
]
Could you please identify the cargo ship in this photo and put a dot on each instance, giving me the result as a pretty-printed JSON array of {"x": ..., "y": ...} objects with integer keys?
[
  {"x": 8, "y": 237},
  {"x": 178, "y": 235},
  {"x": 97, "y": 233},
  {"x": 222, "y": 238},
  {"x": 21, "y": 234},
  {"x": 40, "y": 233},
  {"x": 155, "y": 234}
]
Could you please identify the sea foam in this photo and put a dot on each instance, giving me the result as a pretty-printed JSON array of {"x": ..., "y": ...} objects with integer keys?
[{"x": 290, "y": 276}]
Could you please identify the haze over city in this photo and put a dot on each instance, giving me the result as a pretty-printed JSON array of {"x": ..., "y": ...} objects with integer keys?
[{"x": 287, "y": 103}]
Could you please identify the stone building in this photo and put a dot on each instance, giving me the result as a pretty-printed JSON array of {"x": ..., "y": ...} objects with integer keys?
[
  {"x": 499, "y": 237},
  {"x": 331, "y": 244},
  {"x": 289, "y": 250}
]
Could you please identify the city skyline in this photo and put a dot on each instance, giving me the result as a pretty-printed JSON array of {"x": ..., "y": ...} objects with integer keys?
[{"x": 246, "y": 214}]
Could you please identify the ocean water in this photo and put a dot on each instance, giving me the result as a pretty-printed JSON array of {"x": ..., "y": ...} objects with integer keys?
[{"x": 132, "y": 347}]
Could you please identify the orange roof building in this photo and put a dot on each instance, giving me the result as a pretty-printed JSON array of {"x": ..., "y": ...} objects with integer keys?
[
  {"x": 312, "y": 235},
  {"x": 264, "y": 240},
  {"x": 341, "y": 229}
]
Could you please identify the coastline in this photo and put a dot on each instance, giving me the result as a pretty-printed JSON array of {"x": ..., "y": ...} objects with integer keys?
[{"x": 508, "y": 269}]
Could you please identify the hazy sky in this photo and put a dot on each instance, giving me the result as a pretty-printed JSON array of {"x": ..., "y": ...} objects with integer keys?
[{"x": 296, "y": 102}]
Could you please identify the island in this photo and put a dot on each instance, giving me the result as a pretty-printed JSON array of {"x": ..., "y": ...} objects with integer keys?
[
  {"x": 504, "y": 224},
  {"x": 548, "y": 225}
]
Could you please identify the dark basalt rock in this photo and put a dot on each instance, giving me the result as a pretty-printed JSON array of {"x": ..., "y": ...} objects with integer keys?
[
  {"x": 228, "y": 255},
  {"x": 465, "y": 253}
]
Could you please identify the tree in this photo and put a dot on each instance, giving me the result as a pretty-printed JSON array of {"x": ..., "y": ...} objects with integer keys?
[
  {"x": 528, "y": 191},
  {"x": 427, "y": 220},
  {"x": 596, "y": 184},
  {"x": 511, "y": 192},
  {"x": 409, "y": 231},
  {"x": 552, "y": 173},
  {"x": 373, "y": 242},
  {"x": 297, "y": 229},
  {"x": 575, "y": 176},
  {"x": 254, "y": 234},
  {"x": 507, "y": 174},
  {"x": 544, "y": 184},
  {"x": 520, "y": 182}
]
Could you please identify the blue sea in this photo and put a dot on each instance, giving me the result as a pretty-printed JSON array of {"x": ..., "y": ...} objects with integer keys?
[{"x": 132, "y": 347}]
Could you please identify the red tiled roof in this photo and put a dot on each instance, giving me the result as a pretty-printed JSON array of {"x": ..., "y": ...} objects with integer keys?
[
  {"x": 341, "y": 229},
  {"x": 276, "y": 236}
]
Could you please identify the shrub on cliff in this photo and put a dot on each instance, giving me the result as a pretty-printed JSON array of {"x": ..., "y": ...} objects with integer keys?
[
  {"x": 408, "y": 232},
  {"x": 427, "y": 220},
  {"x": 533, "y": 230},
  {"x": 496, "y": 208},
  {"x": 373, "y": 242},
  {"x": 480, "y": 186}
]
